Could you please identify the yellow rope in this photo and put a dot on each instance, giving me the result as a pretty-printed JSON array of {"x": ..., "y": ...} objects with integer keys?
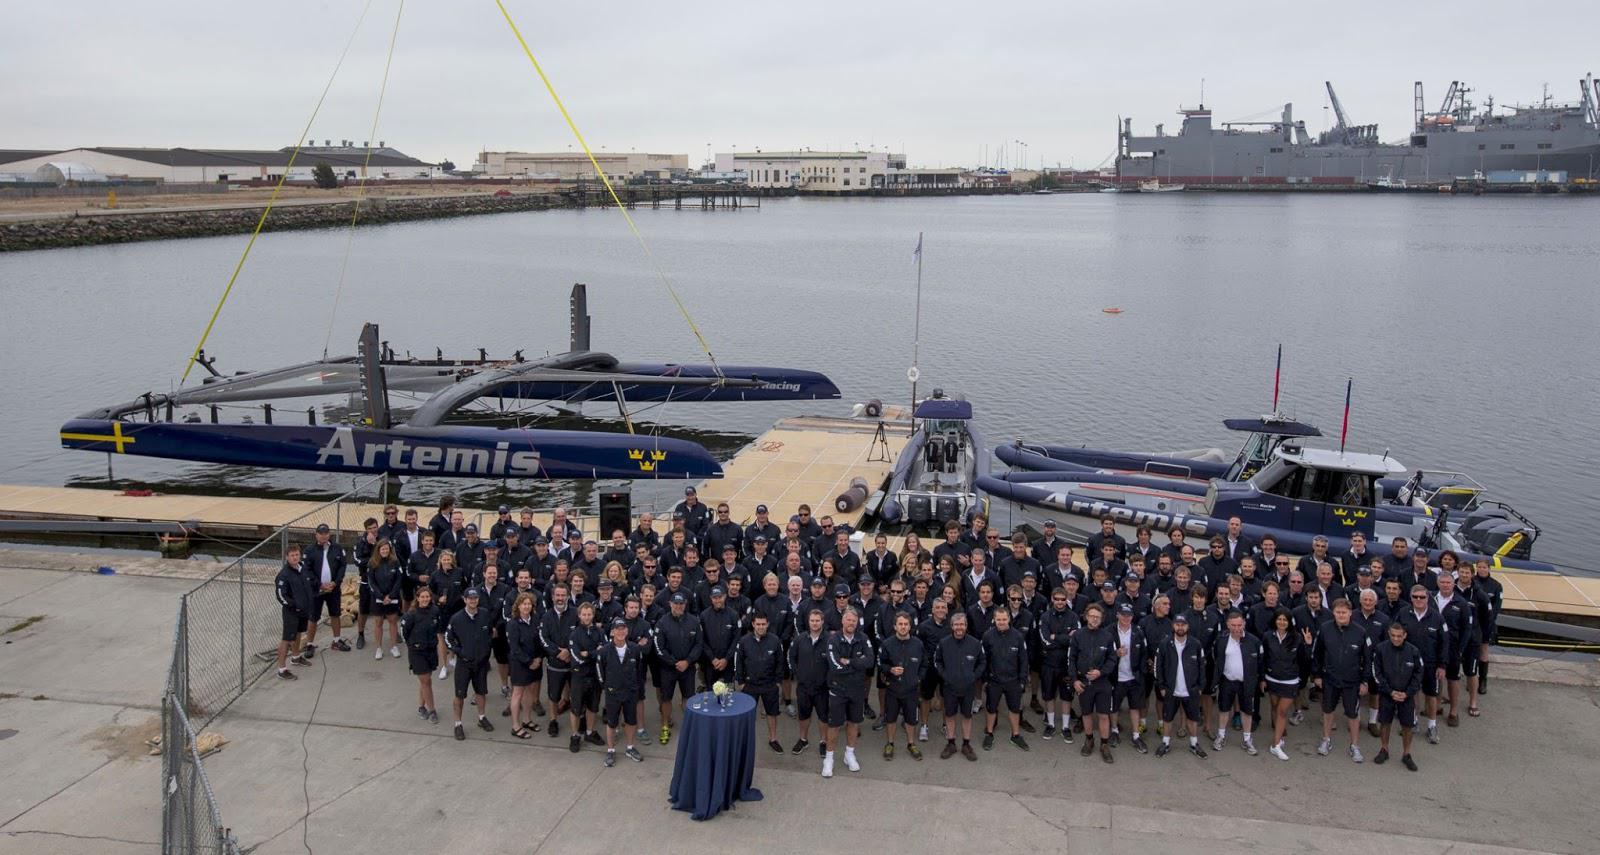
[
  {"x": 573, "y": 126},
  {"x": 195, "y": 357},
  {"x": 361, "y": 185}
]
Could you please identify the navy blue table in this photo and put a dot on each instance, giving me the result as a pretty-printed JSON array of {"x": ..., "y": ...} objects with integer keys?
[{"x": 716, "y": 760}]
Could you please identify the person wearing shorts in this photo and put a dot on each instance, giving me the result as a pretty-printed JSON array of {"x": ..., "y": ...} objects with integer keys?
[
  {"x": 901, "y": 663},
  {"x": 1238, "y": 657},
  {"x": 1005, "y": 654},
  {"x": 555, "y": 630},
  {"x": 621, "y": 672},
  {"x": 1180, "y": 674},
  {"x": 586, "y": 640},
  {"x": 1398, "y": 669},
  {"x": 678, "y": 646},
  {"x": 758, "y": 664},
  {"x": 850, "y": 661},
  {"x": 294, "y": 601},
  {"x": 1341, "y": 665},
  {"x": 959, "y": 659},
  {"x": 1092, "y": 662},
  {"x": 1055, "y": 629},
  {"x": 467, "y": 636},
  {"x": 808, "y": 664},
  {"x": 419, "y": 632}
]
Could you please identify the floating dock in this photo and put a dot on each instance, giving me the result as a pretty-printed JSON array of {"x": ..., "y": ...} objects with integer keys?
[{"x": 809, "y": 459}]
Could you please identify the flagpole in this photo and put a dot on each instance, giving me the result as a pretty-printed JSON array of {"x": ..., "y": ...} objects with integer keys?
[
  {"x": 916, "y": 338},
  {"x": 1345, "y": 428}
]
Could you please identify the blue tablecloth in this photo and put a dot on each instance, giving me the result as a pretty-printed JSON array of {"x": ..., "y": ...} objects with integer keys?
[{"x": 716, "y": 759}]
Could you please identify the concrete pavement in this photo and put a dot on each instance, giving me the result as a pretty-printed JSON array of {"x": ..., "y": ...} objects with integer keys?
[{"x": 78, "y": 779}]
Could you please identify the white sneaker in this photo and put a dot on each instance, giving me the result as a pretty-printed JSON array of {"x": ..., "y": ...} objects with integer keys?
[
  {"x": 922, "y": 733},
  {"x": 442, "y": 673},
  {"x": 1355, "y": 754},
  {"x": 1250, "y": 749},
  {"x": 1325, "y": 746},
  {"x": 395, "y": 651},
  {"x": 1216, "y": 744},
  {"x": 1277, "y": 751},
  {"x": 827, "y": 765},
  {"x": 377, "y": 654},
  {"x": 850, "y": 761}
]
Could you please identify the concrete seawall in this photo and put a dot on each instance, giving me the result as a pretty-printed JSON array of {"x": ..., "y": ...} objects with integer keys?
[{"x": 129, "y": 226}]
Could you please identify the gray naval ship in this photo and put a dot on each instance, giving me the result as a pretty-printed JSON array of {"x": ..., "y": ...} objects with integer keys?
[{"x": 1459, "y": 140}]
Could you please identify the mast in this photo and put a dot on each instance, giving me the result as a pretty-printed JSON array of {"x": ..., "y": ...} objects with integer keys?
[{"x": 913, "y": 373}]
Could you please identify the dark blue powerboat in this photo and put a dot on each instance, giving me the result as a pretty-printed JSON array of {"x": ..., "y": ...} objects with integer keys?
[{"x": 933, "y": 481}]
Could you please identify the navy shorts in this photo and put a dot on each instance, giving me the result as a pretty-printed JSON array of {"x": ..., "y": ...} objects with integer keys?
[
  {"x": 473, "y": 674},
  {"x": 1012, "y": 693},
  {"x": 293, "y": 624},
  {"x": 1389, "y": 709},
  {"x": 1332, "y": 696},
  {"x": 621, "y": 709},
  {"x": 958, "y": 702},
  {"x": 900, "y": 708},
  {"x": 807, "y": 699},
  {"x": 1053, "y": 683},
  {"x": 1127, "y": 693},
  {"x": 1283, "y": 690},
  {"x": 1430, "y": 679},
  {"x": 1235, "y": 691},
  {"x": 1096, "y": 698},
  {"x": 328, "y": 602},
  {"x": 845, "y": 708},
  {"x": 672, "y": 680},
  {"x": 766, "y": 697},
  {"x": 1190, "y": 706},
  {"x": 423, "y": 660}
]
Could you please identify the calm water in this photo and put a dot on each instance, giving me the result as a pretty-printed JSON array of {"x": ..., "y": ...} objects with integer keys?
[{"x": 1469, "y": 325}]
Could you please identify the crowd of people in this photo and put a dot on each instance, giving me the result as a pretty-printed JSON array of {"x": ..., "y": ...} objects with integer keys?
[{"x": 1149, "y": 644}]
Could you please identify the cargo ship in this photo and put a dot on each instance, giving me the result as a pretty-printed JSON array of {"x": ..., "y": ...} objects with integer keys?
[{"x": 1458, "y": 141}]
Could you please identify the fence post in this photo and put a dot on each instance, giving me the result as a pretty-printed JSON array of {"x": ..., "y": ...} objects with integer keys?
[{"x": 242, "y": 651}]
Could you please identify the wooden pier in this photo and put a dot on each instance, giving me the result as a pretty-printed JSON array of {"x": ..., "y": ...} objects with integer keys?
[{"x": 805, "y": 459}]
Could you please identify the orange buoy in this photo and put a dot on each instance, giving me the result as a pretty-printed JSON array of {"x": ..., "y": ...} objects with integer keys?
[{"x": 1112, "y": 310}]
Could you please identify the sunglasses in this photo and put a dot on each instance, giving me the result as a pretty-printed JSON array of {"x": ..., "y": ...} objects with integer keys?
[{"x": 1419, "y": 596}]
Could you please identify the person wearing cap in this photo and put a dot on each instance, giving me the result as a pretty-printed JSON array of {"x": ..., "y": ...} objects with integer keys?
[
  {"x": 679, "y": 645},
  {"x": 1238, "y": 674},
  {"x": 850, "y": 660},
  {"x": 719, "y": 633},
  {"x": 469, "y": 637},
  {"x": 833, "y": 615},
  {"x": 1055, "y": 629},
  {"x": 294, "y": 592},
  {"x": 762, "y": 527},
  {"x": 514, "y": 552},
  {"x": 470, "y": 551},
  {"x": 420, "y": 630},
  {"x": 1092, "y": 664},
  {"x": 324, "y": 563},
  {"x": 502, "y": 522},
  {"x": 620, "y": 671},
  {"x": 1127, "y": 686},
  {"x": 816, "y": 597},
  {"x": 758, "y": 668},
  {"x": 572, "y": 548},
  {"x": 1043, "y": 549},
  {"x": 696, "y": 516},
  {"x": 585, "y": 642},
  {"x": 1180, "y": 673},
  {"x": 555, "y": 631}
]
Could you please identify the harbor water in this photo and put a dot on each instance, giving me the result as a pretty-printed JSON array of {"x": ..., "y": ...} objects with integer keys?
[{"x": 1470, "y": 326}]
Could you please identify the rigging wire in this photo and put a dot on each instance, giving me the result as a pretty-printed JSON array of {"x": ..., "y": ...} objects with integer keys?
[
  {"x": 276, "y": 189},
  {"x": 573, "y": 126},
  {"x": 361, "y": 186}
]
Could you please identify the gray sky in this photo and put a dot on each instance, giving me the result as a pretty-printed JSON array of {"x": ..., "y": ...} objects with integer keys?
[{"x": 942, "y": 81}]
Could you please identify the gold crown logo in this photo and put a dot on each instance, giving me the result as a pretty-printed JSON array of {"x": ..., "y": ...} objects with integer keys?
[{"x": 646, "y": 465}]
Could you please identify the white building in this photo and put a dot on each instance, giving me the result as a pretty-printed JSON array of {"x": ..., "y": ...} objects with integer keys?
[
  {"x": 813, "y": 171},
  {"x": 203, "y": 166},
  {"x": 573, "y": 166}
]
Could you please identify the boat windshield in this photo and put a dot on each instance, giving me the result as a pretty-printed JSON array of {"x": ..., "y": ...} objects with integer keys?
[{"x": 1255, "y": 453}]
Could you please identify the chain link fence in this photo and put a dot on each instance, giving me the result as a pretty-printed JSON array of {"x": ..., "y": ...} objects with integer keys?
[{"x": 226, "y": 638}]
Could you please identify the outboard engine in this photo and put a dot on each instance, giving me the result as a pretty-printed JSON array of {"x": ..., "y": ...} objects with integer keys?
[
  {"x": 949, "y": 509},
  {"x": 1497, "y": 536},
  {"x": 919, "y": 509},
  {"x": 952, "y": 450}
]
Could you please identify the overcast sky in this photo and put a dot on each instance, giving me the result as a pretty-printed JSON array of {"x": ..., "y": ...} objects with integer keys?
[{"x": 944, "y": 82}]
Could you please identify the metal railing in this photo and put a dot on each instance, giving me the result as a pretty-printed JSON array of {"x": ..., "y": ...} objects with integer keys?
[{"x": 225, "y": 639}]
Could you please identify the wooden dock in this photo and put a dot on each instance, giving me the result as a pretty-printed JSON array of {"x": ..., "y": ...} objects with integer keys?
[{"x": 806, "y": 459}]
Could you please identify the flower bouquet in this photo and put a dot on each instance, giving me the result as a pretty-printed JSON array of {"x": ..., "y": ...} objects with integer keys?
[{"x": 723, "y": 692}]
